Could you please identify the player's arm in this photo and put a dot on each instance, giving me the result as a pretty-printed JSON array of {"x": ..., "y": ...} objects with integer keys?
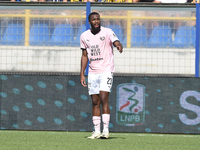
[
  {"x": 84, "y": 60},
  {"x": 118, "y": 45}
]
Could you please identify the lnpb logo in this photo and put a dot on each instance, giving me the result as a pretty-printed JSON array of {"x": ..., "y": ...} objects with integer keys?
[{"x": 130, "y": 110}]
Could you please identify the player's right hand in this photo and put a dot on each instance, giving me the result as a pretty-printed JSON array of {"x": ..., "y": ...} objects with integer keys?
[{"x": 82, "y": 80}]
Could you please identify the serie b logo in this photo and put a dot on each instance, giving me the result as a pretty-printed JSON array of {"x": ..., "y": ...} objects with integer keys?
[{"x": 130, "y": 110}]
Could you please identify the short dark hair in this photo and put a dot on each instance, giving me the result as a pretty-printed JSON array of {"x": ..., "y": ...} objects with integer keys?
[{"x": 93, "y": 13}]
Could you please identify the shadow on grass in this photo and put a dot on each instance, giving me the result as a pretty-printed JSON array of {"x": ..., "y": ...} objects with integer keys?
[{"x": 110, "y": 138}]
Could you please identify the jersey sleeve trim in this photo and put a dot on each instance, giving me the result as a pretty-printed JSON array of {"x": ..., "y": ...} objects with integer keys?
[
  {"x": 83, "y": 49},
  {"x": 115, "y": 41}
]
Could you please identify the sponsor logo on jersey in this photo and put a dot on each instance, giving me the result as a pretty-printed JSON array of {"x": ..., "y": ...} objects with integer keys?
[{"x": 95, "y": 50}]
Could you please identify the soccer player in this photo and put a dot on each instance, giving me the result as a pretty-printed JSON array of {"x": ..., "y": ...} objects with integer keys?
[{"x": 97, "y": 47}]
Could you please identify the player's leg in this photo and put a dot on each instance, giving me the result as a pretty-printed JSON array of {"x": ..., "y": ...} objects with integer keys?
[
  {"x": 104, "y": 96},
  {"x": 96, "y": 112},
  {"x": 96, "y": 116},
  {"x": 105, "y": 88},
  {"x": 94, "y": 92}
]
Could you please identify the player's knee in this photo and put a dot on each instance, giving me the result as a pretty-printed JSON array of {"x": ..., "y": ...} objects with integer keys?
[
  {"x": 96, "y": 102},
  {"x": 104, "y": 99},
  {"x": 104, "y": 102}
]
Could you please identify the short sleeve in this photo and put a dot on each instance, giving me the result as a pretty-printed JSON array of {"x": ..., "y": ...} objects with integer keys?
[
  {"x": 113, "y": 36},
  {"x": 82, "y": 42}
]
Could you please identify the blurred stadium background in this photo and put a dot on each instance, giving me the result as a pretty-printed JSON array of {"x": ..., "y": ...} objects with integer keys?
[
  {"x": 158, "y": 39},
  {"x": 40, "y": 63}
]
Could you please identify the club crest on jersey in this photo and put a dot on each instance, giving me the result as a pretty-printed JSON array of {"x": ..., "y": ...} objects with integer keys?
[
  {"x": 102, "y": 38},
  {"x": 87, "y": 40}
]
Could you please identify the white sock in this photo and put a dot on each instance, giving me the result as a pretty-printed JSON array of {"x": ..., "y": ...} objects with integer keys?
[
  {"x": 106, "y": 120},
  {"x": 97, "y": 123}
]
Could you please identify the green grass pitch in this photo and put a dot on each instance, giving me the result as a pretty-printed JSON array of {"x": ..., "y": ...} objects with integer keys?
[{"x": 57, "y": 140}]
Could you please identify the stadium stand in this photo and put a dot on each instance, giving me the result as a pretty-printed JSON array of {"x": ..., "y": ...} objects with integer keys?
[
  {"x": 138, "y": 36},
  {"x": 14, "y": 34},
  {"x": 76, "y": 39},
  {"x": 39, "y": 34},
  {"x": 62, "y": 35},
  {"x": 185, "y": 37},
  {"x": 161, "y": 36}
]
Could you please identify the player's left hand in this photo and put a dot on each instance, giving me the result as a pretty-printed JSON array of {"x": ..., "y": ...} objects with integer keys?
[{"x": 120, "y": 48}]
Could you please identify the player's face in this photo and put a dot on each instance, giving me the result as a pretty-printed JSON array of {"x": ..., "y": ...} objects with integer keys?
[{"x": 95, "y": 22}]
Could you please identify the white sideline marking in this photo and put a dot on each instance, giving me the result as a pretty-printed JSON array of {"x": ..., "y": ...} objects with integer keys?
[
  {"x": 112, "y": 134},
  {"x": 159, "y": 135}
]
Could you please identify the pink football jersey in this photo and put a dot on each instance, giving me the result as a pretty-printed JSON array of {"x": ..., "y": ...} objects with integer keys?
[{"x": 99, "y": 49}]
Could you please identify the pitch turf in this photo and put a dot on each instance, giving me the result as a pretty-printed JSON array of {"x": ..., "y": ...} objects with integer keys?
[{"x": 49, "y": 140}]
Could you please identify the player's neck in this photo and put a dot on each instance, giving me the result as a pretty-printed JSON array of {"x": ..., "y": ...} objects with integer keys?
[{"x": 95, "y": 31}]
